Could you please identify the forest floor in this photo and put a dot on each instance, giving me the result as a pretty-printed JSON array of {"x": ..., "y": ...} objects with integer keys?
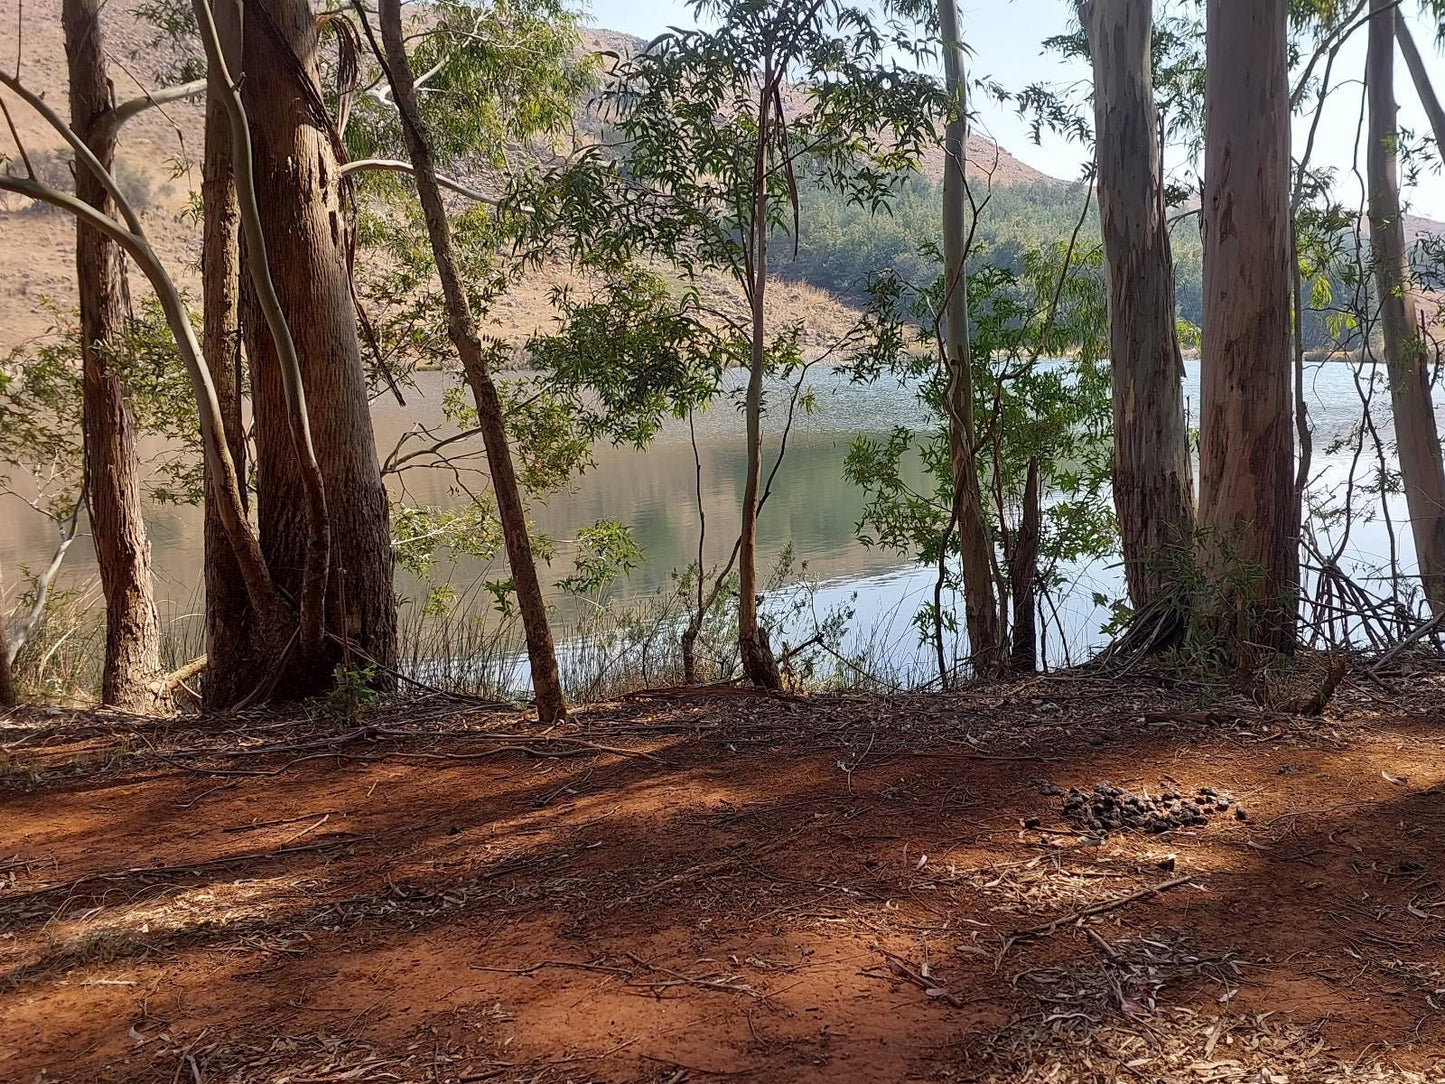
[{"x": 724, "y": 886}]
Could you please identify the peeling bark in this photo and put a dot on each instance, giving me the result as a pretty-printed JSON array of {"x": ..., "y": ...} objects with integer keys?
[
  {"x": 232, "y": 663},
  {"x": 1246, "y": 440},
  {"x": 298, "y": 186},
  {"x": 1407, "y": 360},
  {"x": 112, "y": 469},
  {"x": 1153, "y": 476}
]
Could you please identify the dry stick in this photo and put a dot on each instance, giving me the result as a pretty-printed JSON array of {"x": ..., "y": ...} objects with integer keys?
[
  {"x": 1097, "y": 909},
  {"x": 554, "y": 963},
  {"x": 901, "y": 969},
  {"x": 704, "y": 869},
  {"x": 189, "y": 867}
]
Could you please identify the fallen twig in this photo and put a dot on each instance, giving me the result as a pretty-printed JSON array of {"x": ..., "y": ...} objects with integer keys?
[
  {"x": 1097, "y": 909},
  {"x": 554, "y": 963},
  {"x": 188, "y": 867}
]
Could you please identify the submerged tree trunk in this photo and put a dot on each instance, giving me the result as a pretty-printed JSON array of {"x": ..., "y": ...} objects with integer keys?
[
  {"x": 298, "y": 191},
  {"x": 1406, "y": 356},
  {"x": 758, "y": 661},
  {"x": 112, "y": 470},
  {"x": 232, "y": 662},
  {"x": 1153, "y": 476},
  {"x": 985, "y": 630},
  {"x": 1246, "y": 440},
  {"x": 462, "y": 329}
]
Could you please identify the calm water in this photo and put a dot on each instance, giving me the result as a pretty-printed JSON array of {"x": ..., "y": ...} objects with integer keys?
[{"x": 812, "y": 509}]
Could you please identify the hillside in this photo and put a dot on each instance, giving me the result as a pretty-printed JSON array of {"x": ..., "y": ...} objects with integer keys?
[
  {"x": 159, "y": 159},
  {"x": 159, "y": 154},
  {"x": 986, "y": 159}
]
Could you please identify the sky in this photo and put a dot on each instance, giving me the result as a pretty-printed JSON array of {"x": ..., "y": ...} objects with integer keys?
[{"x": 1006, "y": 38}]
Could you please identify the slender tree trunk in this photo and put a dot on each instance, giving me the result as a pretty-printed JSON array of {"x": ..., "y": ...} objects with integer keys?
[
  {"x": 985, "y": 630},
  {"x": 1406, "y": 356},
  {"x": 1153, "y": 477},
  {"x": 462, "y": 328},
  {"x": 1424, "y": 89},
  {"x": 756, "y": 653},
  {"x": 298, "y": 191},
  {"x": 131, "y": 237},
  {"x": 8, "y": 697},
  {"x": 232, "y": 663},
  {"x": 1024, "y": 578},
  {"x": 1247, "y": 441},
  {"x": 112, "y": 470}
]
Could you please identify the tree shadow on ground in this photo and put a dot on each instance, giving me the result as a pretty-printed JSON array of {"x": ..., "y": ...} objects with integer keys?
[{"x": 827, "y": 888}]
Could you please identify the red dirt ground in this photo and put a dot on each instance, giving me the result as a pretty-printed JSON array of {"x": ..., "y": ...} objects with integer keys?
[{"x": 736, "y": 888}]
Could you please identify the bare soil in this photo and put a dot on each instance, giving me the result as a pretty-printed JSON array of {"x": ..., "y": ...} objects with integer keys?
[{"x": 724, "y": 886}]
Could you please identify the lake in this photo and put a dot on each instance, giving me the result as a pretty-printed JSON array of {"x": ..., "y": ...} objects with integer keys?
[{"x": 813, "y": 510}]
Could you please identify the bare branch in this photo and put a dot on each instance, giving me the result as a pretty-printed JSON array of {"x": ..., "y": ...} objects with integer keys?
[
  {"x": 396, "y": 165},
  {"x": 117, "y": 118}
]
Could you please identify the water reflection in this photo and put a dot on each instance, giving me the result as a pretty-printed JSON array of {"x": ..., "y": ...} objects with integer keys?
[{"x": 813, "y": 510}]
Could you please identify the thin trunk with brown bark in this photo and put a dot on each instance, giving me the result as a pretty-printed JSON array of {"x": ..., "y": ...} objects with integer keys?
[
  {"x": 8, "y": 697},
  {"x": 232, "y": 662},
  {"x": 759, "y": 663},
  {"x": 303, "y": 220},
  {"x": 1247, "y": 438},
  {"x": 128, "y": 232},
  {"x": 462, "y": 329},
  {"x": 112, "y": 469},
  {"x": 1407, "y": 359},
  {"x": 1024, "y": 577},
  {"x": 1153, "y": 476},
  {"x": 985, "y": 630}
]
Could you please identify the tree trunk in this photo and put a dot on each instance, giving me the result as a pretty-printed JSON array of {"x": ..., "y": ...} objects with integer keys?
[
  {"x": 8, "y": 697},
  {"x": 1424, "y": 89},
  {"x": 1153, "y": 477},
  {"x": 112, "y": 483},
  {"x": 756, "y": 653},
  {"x": 1247, "y": 442},
  {"x": 462, "y": 329},
  {"x": 1024, "y": 578},
  {"x": 1406, "y": 357},
  {"x": 298, "y": 191},
  {"x": 232, "y": 663},
  {"x": 985, "y": 630}
]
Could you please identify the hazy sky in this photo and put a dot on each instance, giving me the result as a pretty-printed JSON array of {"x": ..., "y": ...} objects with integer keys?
[{"x": 1006, "y": 37}]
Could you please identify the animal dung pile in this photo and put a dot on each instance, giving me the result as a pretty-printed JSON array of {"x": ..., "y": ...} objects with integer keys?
[{"x": 1108, "y": 808}]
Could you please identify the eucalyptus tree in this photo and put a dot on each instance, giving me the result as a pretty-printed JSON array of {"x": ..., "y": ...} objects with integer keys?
[
  {"x": 718, "y": 128},
  {"x": 462, "y": 330},
  {"x": 976, "y": 546},
  {"x": 232, "y": 654},
  {"x": 131, "y": 675},
  {"x": 1407, "y": 356},
  {"x": 1246, "y": 441},
  {"x": 1153, "y": 476},
  {"x": 302, "y": 210}
]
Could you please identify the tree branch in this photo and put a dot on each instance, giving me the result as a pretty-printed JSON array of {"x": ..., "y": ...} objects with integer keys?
[
  {"x": 116, "y": 119},
  {"x": 396, "y": 165},
  {"x": 1421, "y": 78}
]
